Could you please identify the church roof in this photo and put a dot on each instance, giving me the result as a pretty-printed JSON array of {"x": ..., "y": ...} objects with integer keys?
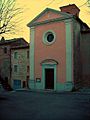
[
  {"x": 10, "y": 41},
  {"x": 64, "y": 14},
  {"x": 46, "y": 10}
]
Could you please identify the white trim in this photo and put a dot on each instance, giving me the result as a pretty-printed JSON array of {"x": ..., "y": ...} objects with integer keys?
[
  {"x": 48, "y": 66},
  {"x": 31, "y": 81},
  {"x": 69, "y": 56}
]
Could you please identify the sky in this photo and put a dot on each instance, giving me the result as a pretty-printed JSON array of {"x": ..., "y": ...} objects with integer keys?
[{"x": 31, "y": 8}]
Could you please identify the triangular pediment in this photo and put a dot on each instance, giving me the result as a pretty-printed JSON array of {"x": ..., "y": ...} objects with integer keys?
[{"x": 48, "y": 14}]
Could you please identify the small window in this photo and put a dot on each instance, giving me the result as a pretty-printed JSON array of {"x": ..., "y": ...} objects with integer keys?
[
  {"x": 5, "y": 50},
  {"x": 15, "y": 68},
  {"x": 28, "y": 68},
  {"x": 49, "y": 37},
  {"x": 15, "y": 55},
  {"x": 27, "y": 77},
  {"x": 27, "y": 54}
]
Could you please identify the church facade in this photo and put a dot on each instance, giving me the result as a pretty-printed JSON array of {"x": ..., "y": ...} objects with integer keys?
[{"x": 55, "y": 61}]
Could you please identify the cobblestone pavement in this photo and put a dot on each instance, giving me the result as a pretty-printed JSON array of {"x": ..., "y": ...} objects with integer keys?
[{"x": 28, "y": 105}]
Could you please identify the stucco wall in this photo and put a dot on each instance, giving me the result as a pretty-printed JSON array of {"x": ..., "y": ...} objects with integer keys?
[{"x": 55, "y": 51}]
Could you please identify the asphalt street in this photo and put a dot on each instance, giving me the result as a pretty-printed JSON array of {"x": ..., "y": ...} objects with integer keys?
[{"x": 28, "y": 105}]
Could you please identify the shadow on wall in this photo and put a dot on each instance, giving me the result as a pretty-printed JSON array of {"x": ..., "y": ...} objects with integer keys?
[{"x": 5, "y": 84}]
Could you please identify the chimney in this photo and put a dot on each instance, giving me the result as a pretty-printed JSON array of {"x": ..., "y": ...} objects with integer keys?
[
  {"x": 71, "y": 9},
  {"x": 2, "y": 39}
]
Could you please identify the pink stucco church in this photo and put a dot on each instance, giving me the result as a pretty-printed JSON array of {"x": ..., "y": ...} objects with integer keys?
[{"x": 55, "y": 58}]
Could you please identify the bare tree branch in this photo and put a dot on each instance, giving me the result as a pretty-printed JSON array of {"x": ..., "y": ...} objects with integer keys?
[
  {"x": 8, "y": 12},
  {"x": 88, "y": 3},
  {"x": 84, "y": 4}
]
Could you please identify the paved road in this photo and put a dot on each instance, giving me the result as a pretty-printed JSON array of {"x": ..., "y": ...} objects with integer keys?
[{"x": 26, "y": 105}]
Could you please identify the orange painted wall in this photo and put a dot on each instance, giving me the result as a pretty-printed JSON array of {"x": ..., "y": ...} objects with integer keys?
[{"x": 55, "y": 51}]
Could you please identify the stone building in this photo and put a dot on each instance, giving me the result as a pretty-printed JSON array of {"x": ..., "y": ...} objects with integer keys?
[
  {"x": 20, "y": 67},
  {"x": 5, "y": 56},
  {"x": 56, "y": 51}
]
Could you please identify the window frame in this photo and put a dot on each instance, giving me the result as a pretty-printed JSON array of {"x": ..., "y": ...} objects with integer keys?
[
  {"x": 15, "y": 69},
  {"x": 5, "y": 50},
  {"x": 45, "y": 41},
  {"x": 28, "y": 54},
  {"x": 15, "y": 55},
  {"x": 28, "y": 68}
]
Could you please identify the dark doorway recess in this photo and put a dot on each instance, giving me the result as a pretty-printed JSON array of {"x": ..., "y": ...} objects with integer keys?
[{"x": 49, "y": 78}]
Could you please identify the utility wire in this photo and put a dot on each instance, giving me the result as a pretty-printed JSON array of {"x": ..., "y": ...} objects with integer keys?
[
  {"x": 84, "y": 3},
  {"x": 50, "y": 2}
]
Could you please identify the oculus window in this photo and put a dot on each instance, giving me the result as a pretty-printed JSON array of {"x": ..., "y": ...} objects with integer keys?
[{"x": 49, "y": 37}]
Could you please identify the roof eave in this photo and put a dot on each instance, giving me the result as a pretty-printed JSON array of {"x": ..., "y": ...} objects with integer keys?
[
  {"x": 49, "y": 21},
  {"x": 30, "y": 24}
]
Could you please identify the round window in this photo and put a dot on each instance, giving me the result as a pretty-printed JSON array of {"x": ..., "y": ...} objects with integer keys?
[{"x": 49, "y": 37}]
